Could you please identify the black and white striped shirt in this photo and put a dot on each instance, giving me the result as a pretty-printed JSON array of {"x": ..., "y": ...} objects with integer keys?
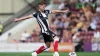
[{"x": 42, "y": 19}]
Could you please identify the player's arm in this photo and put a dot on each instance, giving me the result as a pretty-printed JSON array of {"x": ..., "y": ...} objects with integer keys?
[
  {"x": 23, "y": 18},
  {"x": 59, "y": 11}
]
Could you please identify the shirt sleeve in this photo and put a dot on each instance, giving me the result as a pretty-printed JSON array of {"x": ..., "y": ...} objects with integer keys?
[
  {"x": 35, "y": 14},
  {"x": 48, "y": 11}
]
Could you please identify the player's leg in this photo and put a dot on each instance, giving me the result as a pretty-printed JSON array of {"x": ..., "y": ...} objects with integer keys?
[
  {"x": 42, "y": 48},
  {"x": 55, "y": 45},
  {"x": 38, "y": 51}
]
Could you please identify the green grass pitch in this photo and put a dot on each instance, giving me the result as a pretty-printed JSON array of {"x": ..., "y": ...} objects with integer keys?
[{"x": 48, "y": 54}]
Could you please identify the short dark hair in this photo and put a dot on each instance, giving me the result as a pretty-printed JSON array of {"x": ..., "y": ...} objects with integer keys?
[{"x": 41, "y": 3}]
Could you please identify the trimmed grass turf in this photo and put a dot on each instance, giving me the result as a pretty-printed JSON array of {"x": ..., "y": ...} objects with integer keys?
[{"x": 48, "y": 54}]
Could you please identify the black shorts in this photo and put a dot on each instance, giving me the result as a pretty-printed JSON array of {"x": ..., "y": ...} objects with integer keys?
[{"x": 48, "y": 36}]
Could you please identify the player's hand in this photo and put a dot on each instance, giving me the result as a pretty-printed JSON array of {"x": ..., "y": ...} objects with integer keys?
[{"x": 15, "y": 20}]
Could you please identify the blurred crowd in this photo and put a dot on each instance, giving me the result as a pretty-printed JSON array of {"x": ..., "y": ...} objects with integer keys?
[
  {"x": 82, "y": 21},
  {"x": 81, "y": 24}
]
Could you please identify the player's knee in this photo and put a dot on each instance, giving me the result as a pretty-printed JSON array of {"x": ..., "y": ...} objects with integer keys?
[
  {"x": 56, "y": 38},
  {"x": 48, "y": 46}
]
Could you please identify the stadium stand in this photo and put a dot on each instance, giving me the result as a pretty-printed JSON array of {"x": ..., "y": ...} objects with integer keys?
[{"x": 80, "y": 25}]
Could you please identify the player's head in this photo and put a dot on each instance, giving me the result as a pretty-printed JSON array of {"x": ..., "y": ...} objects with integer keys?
[{"x": 42, "y": 6}]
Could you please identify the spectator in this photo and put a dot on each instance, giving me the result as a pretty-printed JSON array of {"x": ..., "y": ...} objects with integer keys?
[
  {"x": 65, "y": 5},
  {"x": 66, "y": 36},
  {"x": 66, "y": 23},
  {"x": 88, "y": 11},
  {"x": 60, "y": 25},
  {"x": 24, "y": 36},
  {"x": 86, "y": 1},
  {"x": 94, "y": 21},
  {"x": 56, "y": 1},
  {"x": 78, "y": 42},
  {"x": 35, "y": 36},
  {"x": 11, "y": 38},
  {"x": 96, "y": 38},
  {"x": 53, "y": 28}
]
